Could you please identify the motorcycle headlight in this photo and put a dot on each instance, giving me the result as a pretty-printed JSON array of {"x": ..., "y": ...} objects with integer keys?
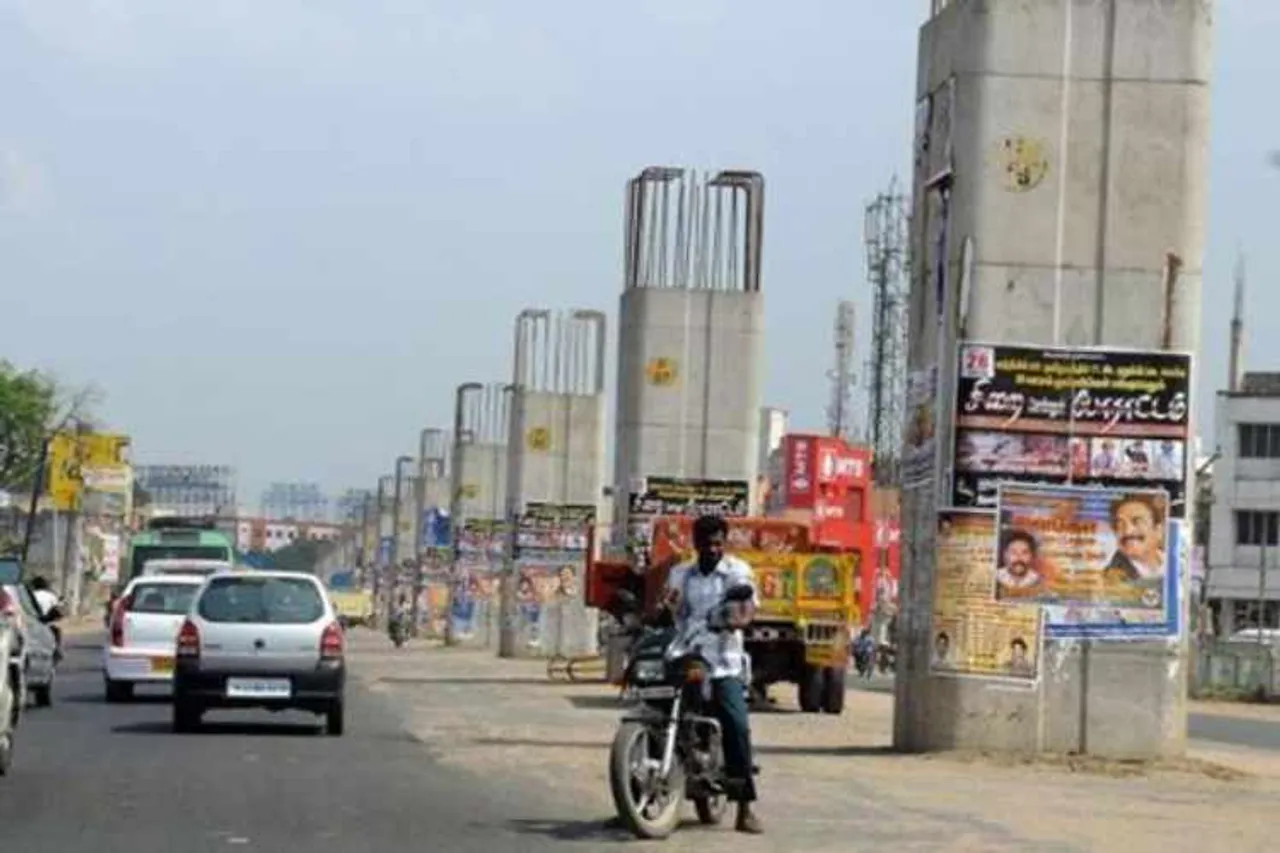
[{"x": 649, "y": 670}]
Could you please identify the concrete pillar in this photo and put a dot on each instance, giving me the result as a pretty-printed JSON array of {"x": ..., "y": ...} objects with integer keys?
[
  {"x": 1061, "y": 159},
  {"x": 557, "y": 449},
  {"x": 690, "y": 343}
]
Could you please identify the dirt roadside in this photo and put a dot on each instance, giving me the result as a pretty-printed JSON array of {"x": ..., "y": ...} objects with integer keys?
[{"x": 828, "y": 783}]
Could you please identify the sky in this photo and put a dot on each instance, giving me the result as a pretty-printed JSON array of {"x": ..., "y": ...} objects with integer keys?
[{"x": 278, "y": 234}]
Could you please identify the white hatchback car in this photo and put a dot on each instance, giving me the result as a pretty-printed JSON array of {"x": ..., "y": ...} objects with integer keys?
[{"x": 144, "y": 632}]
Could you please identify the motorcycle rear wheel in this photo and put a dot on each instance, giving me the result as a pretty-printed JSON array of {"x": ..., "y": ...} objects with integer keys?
[{"x": 653, "y": 820}]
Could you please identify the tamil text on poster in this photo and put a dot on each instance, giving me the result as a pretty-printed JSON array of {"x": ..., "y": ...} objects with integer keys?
[
  {"x": 1103, "y": 562},
  {"x": 683, "y": 496},
  {"x": 972, "y": 634},
  {"x": 1107, "y": 418}
]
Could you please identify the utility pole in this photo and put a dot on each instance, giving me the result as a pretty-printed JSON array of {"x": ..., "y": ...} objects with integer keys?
[
  {"x": 377, "y": 554},
  {"x": 33, "y": 508},
  {"x": 1270, "y": 522},
  {"x": 364, "y": 536}
]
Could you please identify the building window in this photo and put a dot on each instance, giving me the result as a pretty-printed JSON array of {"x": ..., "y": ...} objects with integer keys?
[
  {"x": 1245, "y": 615},
  {"x": 1255, "y": 527},
  {"x": 1259, "y": 441}
]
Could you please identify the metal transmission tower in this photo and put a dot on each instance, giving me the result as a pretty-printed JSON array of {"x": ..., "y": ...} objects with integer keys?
[
  {"x": 840, "y": 412},
  {"x": 888, "y": 262}
]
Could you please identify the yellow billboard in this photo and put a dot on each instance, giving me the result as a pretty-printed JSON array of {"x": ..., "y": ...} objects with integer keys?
[{"x": 70, "y": 452}]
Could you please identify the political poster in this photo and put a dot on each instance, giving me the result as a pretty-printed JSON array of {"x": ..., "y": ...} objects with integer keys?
[
  {"x": 1101, "y": 562},
  {"x": 973, "y": 634},
  {"x": 1055, "y": 416}
]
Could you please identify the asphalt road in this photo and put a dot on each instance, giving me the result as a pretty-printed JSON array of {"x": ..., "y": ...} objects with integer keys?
[{"x": 96, "y": 778}]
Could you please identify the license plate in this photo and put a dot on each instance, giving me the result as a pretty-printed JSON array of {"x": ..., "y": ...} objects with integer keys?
[
  {"x": 162, "y": 666},
  {"x": 259, "y": 688},
  {"x": 654, "y": 692}
]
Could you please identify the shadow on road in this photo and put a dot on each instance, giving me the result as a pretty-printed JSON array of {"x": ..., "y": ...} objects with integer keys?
[
  {"x": 850, "y": 751},
  {"x": 100, "y": 699},
  {"x": 589, "y": 703},
  {"x": 609, "y": 830},
  {"x": 411, "y": 680},
  {"x": 155, "y": 727}
]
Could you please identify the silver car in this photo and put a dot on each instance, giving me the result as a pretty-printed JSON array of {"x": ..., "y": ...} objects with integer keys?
[
  {"x": 35, "y": 647},
  {"x": 260, "y": 640}
]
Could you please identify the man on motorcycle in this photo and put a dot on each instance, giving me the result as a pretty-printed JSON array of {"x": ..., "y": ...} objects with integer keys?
[{"x": 694, "y": 591}]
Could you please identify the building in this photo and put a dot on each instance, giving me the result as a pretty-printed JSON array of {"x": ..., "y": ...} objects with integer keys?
[
  {"x": 269, "y": 534},
  {"x": 189, "y": 490},
  {"x": 1242, "y": 569},
  {"x": 296, "y": 502}
]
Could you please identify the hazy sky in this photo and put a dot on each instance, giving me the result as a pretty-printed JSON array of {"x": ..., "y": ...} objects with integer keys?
[{"x": 278, "y": 233}]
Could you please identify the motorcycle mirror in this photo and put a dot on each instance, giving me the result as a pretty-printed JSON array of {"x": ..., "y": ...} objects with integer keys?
[{"x": 742, "y": 592}]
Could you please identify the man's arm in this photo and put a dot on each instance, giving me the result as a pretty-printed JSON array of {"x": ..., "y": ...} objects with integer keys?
[{"x": 742, "y": 613}]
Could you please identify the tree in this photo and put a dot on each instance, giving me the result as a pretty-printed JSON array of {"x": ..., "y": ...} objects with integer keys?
[
  {"x": 302, "y": 555},
  {"x": 28, "y": 408}
]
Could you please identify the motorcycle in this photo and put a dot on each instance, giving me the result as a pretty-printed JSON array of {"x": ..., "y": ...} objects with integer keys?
[
  {"x": 886, "y": 658},
  {"x": 398, "y": 631},
  {"x": 668, "y": 747}
]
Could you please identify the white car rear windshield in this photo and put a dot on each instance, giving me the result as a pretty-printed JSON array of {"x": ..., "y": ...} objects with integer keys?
[
  {"x": 261, "y": 600},
  {"x": 160, "y": 597}
]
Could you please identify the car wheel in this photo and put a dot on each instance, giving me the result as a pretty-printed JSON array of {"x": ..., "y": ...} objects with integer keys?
[
  {"x": 42, "y": 695},
  {"x": 186, "y": 716},
  {"x": 119, "y": 691},
  {"x": 335, "y": 719}
]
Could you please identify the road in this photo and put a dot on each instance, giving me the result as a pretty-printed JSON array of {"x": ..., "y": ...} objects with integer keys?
[
  {"x": 94, "y": 778},
  {"x": 1218, "y": 728}
]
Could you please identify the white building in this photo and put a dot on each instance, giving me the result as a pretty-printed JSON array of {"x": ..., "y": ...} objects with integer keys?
[{"x": 1243, "y": 564}]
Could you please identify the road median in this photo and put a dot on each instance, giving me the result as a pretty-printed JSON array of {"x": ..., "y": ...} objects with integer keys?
[{"x": 826, "y": 781}]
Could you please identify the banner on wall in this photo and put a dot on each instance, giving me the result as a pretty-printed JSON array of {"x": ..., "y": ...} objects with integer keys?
[
  {"x": 1054, "y": 416},
  {"x": 972, "y": 633}
]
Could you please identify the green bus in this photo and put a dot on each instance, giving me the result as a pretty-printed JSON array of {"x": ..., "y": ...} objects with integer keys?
[{"x": 174, "y": 537}]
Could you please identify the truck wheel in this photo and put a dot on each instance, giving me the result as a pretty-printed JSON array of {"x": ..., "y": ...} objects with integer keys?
[
  {"x": 810, "y": 689},
  {"x": 833, "y": 690}
]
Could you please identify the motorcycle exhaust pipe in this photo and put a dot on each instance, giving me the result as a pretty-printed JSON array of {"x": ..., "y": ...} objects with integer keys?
[{"x": 669, "y": 746}]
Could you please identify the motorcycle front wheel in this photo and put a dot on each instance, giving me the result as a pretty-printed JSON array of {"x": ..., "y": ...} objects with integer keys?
[{"x": 647, "y": 806}]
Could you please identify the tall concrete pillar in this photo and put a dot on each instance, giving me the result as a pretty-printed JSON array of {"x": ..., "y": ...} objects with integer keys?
[
  {"x": 556, "y": 480},
  {"x": 1059, "y": 202},
  {"x": 478, "y": 485},
  {"x": 690, "y": 347}
]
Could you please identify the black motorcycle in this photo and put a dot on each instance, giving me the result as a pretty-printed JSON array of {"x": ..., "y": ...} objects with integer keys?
[
  {"x": 398, "y": 630},
  {"x": 668, "y": 746}
]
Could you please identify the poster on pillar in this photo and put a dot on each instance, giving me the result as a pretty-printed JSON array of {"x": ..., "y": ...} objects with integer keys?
[
  {"x": 972, "y": 634},
  {"x": 1054, "y": 416},
  {"x": 1103, "y": 563},
  {"x": 691, "y": 496},
  {"x": 920, "y": 432}
]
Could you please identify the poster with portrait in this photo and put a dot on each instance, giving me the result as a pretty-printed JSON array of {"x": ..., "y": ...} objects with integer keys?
[
  {"x": 1110, "y": 418},
  {"x": 1101, "y": 562},
  {"x": 972, "y": 634}
]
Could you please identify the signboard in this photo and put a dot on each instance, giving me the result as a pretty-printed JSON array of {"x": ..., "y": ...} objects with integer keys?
[
  {"x": 682, "y": 496},
  {"x": 1102, "y": 562},
  {"x": 548, "y": 527},
  {"x": 799, "y": 471},
  {"x": 973, "y": 634},
  {"x": 1053, "y": 416},
  {"x": 435, "y": 529},
  {"x": 70, "y": 453}
]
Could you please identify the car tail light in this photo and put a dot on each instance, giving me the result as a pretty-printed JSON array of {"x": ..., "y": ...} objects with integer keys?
[
  {"x": 117, "y": 620},
  {"x": 331, "y": 642},
  {"x": 188, "y": 640},
  {"x": 8, "y": 605}
]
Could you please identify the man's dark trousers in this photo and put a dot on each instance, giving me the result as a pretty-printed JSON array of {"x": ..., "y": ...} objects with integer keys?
[{"x": 730, "y": 696}]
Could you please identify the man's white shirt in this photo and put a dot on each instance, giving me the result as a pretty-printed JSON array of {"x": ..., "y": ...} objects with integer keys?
[{"x": 700, "y": 595}]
